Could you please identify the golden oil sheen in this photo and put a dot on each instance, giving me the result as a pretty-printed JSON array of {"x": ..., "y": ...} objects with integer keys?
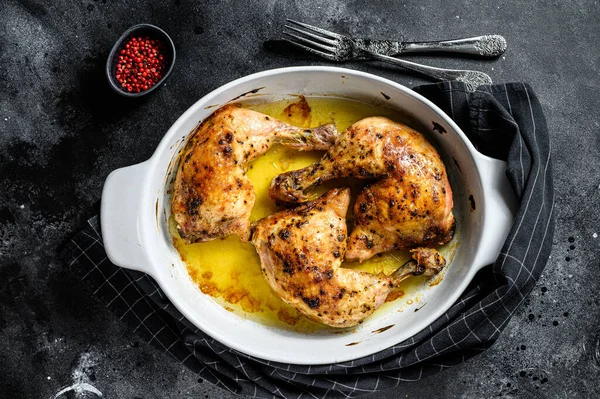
[{"x": 229, "y": 270}]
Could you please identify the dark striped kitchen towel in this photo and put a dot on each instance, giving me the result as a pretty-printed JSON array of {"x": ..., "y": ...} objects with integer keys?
[{"x": 503, "y": 121}]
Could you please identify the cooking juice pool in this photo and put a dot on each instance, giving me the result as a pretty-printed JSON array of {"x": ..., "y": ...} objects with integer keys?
[{"x": 229, "y": 270}]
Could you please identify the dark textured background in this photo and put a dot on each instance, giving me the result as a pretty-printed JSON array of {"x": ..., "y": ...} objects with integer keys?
[{"x": 62, "y": 132}]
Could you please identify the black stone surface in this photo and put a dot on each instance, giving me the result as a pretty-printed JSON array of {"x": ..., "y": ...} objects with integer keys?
[{"x": 63, "y": 130}]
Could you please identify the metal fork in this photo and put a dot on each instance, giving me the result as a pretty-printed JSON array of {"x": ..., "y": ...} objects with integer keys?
[
  {"x": 484, "y": 46},
  {"x": 339, "y": 48}
]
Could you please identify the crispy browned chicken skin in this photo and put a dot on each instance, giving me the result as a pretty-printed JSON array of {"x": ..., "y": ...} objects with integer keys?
[
  {"x": 301, "y": 251},
  {"x": 212, "y": 196},
  {"x": 408, "y": 205}
]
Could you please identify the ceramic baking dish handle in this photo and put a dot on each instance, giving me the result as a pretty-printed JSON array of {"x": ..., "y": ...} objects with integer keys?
[
  {"x": 499, "y": 208},
  {"x": 121, "y": 217}
]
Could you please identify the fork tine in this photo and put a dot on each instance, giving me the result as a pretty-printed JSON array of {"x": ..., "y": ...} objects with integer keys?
[
  {"x": 317, "y": 37},
  {"x": 310, "y": 42},
  {"x": 332, "y": 35},
  {"x": 311, "y": 50}
]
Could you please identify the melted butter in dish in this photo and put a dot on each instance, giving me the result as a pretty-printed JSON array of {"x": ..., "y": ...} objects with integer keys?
[{"x": 229, "y": 270}]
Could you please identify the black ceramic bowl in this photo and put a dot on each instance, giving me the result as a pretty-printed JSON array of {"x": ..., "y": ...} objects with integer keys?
[{"x": 153, "y": 32}]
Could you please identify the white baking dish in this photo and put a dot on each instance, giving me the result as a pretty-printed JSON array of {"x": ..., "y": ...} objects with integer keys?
[{"x": 136, "y": 205}]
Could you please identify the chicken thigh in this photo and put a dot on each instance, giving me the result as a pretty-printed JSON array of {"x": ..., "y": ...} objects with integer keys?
[
  {"x": 301, "y": 251},
  {"x": 212, "y": 195},
  {"x": 408, "y": 204}
]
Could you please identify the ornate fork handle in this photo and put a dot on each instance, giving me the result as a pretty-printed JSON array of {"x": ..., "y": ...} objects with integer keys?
[
  {"x": 485, "y": 46},
  {"x": 472, "y": 79}
]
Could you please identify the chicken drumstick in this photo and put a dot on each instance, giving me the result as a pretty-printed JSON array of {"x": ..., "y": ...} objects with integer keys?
[
  {"x": 408, "y": 205},
  {"x": 301, "y": 251},
  {"x": 212, "y": 196}
]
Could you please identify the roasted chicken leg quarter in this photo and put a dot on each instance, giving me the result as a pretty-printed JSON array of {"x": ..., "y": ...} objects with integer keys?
[
  {"x": 212, "y": 195},
  {"x": 301, "y": 251},
  {"x": 408, "y": 202}
]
